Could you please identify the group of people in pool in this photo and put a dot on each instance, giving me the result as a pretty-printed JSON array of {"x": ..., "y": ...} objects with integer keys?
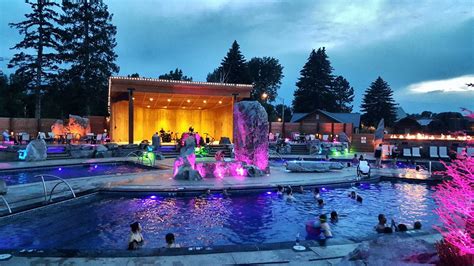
[
  {"x": 382, "y": 227},
  {"x": 136, "y": 239}
]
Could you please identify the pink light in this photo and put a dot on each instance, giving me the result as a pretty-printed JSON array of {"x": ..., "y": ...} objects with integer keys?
[{"x": 240, "y": 171}]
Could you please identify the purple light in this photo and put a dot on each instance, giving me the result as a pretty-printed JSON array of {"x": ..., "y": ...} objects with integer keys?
[
  {"x": 152, "y": 197},
  {"x": 323, "y": 189},
  {"x": 60, "y": 169},
  {"x": 269, "y": 192},
  {"x": 95, "y": 166}
]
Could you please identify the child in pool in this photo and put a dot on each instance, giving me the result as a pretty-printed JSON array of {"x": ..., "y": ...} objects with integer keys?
[{"x": 136, "y": 238}]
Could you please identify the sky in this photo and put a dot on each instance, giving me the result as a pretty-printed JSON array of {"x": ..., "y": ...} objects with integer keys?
[{"x": 423, "y": 49}]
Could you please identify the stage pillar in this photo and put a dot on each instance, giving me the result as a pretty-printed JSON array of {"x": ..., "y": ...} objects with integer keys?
[{"x": 130, "y": 115}]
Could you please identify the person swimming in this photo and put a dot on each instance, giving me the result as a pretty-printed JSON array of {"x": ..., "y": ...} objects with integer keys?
[
  {"x": 359, "y": 199},
  {"x": 316, "y": 193},
  {"x": 280, "y": 190},
  {"x": 352, "y": 195},
  {"x": 320, "y": 203},
  {"x": 300, "y": 190},
  {"x": 323, "y": 224},
  {"x": 206, "y": 194},
  {"x": 170, "y": 241},
  {"x": 136, "y": 238},
  {"x": 334, "y": 217},
  {"x": 225, "y": 193},
  {"x": 289, "y": 195}
]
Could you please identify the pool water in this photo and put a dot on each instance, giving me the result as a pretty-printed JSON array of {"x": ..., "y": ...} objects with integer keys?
[
  {"x": 24, "y": 176},
  {"x": 101, "y": 221}
]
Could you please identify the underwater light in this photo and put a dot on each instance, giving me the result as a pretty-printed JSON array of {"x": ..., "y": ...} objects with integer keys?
[
  {"x": 60, "y": 169},
  {"x": 269, "y": 192},
  {"x": 95, "y": 166},
  {"x": 152, "y": 197}
]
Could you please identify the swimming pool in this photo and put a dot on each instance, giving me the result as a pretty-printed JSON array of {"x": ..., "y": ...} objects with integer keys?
[
  {"x": 101, "y": 221},
  {"x": 24, "y": 176}
]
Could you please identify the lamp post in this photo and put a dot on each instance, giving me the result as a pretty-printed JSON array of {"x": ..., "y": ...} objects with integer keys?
[{"x": 264, "y": 97}]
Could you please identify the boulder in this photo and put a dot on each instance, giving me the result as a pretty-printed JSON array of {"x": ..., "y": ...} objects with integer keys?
[
  {"x": 314, "y": 146},
  {"x": 185, "y": 164},
  {"x": 36, "y": 150},
  {"x": 253, "y": 171},
  {"x": 101, "y": 148},
  {"x": 251, "y": 134},
  {"x": 78, "y": 125}
]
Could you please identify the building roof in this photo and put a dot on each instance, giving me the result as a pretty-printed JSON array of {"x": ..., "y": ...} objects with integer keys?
[
  {"x": 400, "y": 113},
  {"x": 424, "y": 121},
  {"x": 352, "y": 118}
]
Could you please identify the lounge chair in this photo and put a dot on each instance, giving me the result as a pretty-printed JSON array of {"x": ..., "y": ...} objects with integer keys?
[
  {"x": 434, "y": 152},
  {"x": 443, "y": 152},
  {"x": 470, "y": 152},
  {"x": 406, "y": 152},
  {"x": 416, "y": 152},
  {"x": 363, "y": 168}
]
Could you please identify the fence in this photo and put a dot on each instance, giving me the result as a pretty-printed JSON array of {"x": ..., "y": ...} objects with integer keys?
[
  {"x": 30, "y": 125},
  {"x": 312, "y": 128}
]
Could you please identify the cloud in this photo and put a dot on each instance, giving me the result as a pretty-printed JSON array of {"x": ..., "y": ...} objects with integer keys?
[{"x": 458, "y": 84}]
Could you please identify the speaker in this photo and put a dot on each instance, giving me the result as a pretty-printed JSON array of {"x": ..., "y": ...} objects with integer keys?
[{"x": 224, "y": 140}]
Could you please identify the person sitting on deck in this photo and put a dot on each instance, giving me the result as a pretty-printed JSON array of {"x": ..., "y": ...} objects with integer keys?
[
  {"x": 170, "y": 241},
  {"x": 355, "y": 161},
  {"x": 136, "y": 238}
]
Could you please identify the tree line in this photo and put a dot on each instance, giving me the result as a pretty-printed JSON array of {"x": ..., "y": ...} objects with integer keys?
[{"x": 66, "y": 56}]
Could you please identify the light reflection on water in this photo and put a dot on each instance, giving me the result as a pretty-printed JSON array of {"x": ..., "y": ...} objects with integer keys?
[{"x": 102, "y": 221}]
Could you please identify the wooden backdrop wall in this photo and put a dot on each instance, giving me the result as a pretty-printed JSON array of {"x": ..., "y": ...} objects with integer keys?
[{"x": 217, "y": 121}]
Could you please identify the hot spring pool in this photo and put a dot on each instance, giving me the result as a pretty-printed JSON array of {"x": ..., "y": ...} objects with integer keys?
[
  {"x": 101, "y": 221},
  {"x": 24, "y": 176}
]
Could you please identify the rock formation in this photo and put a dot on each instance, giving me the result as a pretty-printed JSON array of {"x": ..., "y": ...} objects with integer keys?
[
  {"x": 185, "y": 163},
  {"x": 251, "y": 134},
  {"x": 36, "y": 150}
]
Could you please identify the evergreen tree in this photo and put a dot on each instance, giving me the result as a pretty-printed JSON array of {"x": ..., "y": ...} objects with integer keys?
[
  {"x": 266, "y": 74},
  {"x": 134, "y": 75},
  {"x": 288, "y": 112},
  {"x": 37, "y": 63},
  {"x": 177, "y": 74},
  {"x": 314, "y": 85},
  {"x": 343, "y": 94},
  {"x": 378, "y": 103},
  {"x": 88, "y": 48},
  {"x": 233, "y": 68}
]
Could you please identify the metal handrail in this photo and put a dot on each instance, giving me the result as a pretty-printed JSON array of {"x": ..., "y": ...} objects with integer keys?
[
  {"x": 140, "y": 158},
  {"x": 6, "y": 203},
  {"x": 52, "y": 190}
]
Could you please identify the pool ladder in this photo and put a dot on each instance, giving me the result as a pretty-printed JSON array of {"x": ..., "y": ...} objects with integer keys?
[
  {"x": 140, "y": 158},
  {"x": 3, "y": 191},
  {"x": 54, "y": 187}
]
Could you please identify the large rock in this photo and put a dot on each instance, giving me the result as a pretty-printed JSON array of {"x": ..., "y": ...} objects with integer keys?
[
  {"x": 251, "y": 134},
  {"x": 78, "y": 125},
  {"x": 314, "y": 146},
  {"x": 185, "y": 163},
  {"x": 36, "y": 150},
  {"x": 313, "y": 166},
  {"x": 58, "y": 128}
]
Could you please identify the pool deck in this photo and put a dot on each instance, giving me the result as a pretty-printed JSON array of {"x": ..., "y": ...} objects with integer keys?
[{"x": 27, "y": 195}]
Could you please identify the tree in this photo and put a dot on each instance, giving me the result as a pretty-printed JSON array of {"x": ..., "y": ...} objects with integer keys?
[
  {"x": 454, "y": 198},
  {"x": 233, "y": 68},
  {"x": 314, "y": 84},
  {"x": 134, "y": 75},
  {"x": 288, "y": 112},
  {"x": 343, "y": 94},
  {"x": 177, "y": 74},
  {"x": 37, "y": 63},
  {"x": 88, "y": 48},
  {"x": 266, "y": 74},
  {"x": 378, "y": 103}
]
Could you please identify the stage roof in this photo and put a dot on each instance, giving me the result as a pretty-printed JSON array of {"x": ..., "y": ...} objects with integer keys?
[{"x": 173, "y": 94}]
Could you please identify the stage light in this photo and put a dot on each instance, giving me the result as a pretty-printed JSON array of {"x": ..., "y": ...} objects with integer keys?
[
  {"x": 183, "y": 107},
  {"x": 220, "y": 102},
  {"x": 188, "y": 100},
  {"x": 151, "y": 99},
  {"x": 199, "y": 108},
  {"x": 165, "y": 107},
  {"x": 169, "y": 100},
  {"x": 204, "y": 101},
  {"x": 133, "y": 98},
  {"x": 147, "y": 106}
]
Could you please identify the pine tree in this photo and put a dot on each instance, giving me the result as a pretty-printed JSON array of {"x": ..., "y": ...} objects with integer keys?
[
  {"x": 37, "y": 63},
  {"x": 343, "y": 94},
  {"x": 177, "y": 74},
  {"x": 378, "y": 103},
  {"x": 88, "y": 48},
  {"x": 314, "y": 85},
  {"x": 233, "y": 68},
  {"x": 266, "y": 74}
]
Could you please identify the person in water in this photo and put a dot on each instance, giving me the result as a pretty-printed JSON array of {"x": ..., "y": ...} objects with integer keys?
[
  {"x": 359, "y": 199},
  {"x": 280, "y": 190},
  {"x": 380, "y": 227},
  {"x": 289, "y": 195},
  {"x": 206, "y": 194},
  {"x": 300, "y": 190},
  {"x": 320, "y": 203},
  {"x": 225, "y": 193},
  {"x": 136, "y": 238},
  {"x": 334, "y": 217},
  {"x": 170, "y": 241},
  {"x": 323, "y": 224},
  {"x": 316, "y": 193}
]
